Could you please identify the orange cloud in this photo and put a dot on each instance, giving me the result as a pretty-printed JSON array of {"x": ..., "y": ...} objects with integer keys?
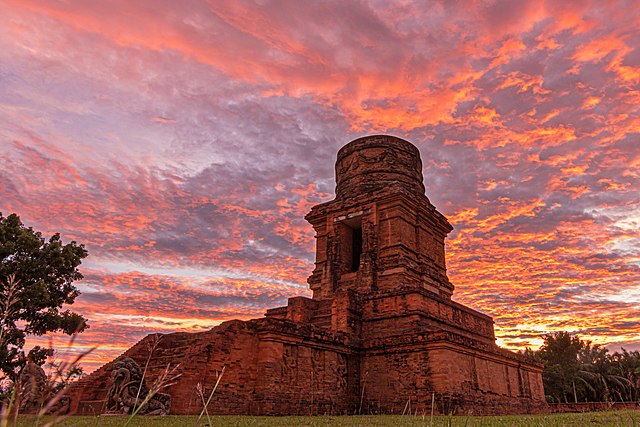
[{"x": 525, "y": 114}]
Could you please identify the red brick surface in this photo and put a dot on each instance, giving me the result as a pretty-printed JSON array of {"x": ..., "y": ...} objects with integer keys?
[{"x": 381, "y": 333}]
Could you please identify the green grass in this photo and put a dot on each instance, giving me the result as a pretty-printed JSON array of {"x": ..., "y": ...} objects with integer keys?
[{"x": 613, "y": 418}]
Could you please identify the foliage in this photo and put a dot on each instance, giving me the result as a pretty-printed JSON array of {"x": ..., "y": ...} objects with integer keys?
[
  {"x": 579, "y": 371},
  {"x": 61, "y": 374},
  {"x": 37, "y": 278}
]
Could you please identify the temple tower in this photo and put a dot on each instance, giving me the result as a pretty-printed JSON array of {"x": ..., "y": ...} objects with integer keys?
[
  {"x": 380, "y": 231},
  {"x": 381, "y": 331}
]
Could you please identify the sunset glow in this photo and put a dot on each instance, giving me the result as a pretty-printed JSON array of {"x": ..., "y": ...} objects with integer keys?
[{"x": 183, "y": 143}]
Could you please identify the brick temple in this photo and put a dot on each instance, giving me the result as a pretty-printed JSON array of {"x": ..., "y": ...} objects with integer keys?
[{"x": 380, "y": 334}]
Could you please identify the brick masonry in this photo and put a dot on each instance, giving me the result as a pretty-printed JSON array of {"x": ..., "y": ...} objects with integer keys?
[{"x": 381, "y": 333}]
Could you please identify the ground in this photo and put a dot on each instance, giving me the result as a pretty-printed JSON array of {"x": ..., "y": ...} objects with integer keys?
[{"x": 613, "y": 418}]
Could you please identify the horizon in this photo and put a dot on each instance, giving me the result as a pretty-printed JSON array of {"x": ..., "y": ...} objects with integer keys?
[{"x": 184, "y": 145}]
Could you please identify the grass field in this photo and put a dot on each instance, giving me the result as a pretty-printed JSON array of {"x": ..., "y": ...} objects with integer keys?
[{"x": 614, "y": 418}]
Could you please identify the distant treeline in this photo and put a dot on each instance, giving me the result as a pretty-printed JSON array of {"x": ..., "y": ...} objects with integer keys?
[{"x": 579, "y": 371}]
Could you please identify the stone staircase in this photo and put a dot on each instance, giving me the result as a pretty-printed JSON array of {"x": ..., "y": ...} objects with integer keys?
[{"x": 322, "y": 316}]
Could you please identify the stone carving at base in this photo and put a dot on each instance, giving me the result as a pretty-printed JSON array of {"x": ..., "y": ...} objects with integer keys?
[
  {"x": 33, "y": 383},
  {"x": 36, "y": 392},
  {"x": 128, "y": 391}
]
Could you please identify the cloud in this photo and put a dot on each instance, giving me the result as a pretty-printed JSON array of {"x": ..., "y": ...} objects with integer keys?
[{"x": 183, "y": 146}]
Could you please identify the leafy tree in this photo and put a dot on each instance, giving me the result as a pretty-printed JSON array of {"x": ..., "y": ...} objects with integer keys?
[
  {"x": 62, "y": 373},
  {"x": 579, "y": 371},
  {"x": 597, "y": 374},
  {"x": 36, "y": 280},
  {"x": 560, "y": 356},
  {"x": 626, "y": 364}
]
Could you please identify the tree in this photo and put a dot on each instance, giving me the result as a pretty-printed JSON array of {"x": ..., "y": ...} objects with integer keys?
[
  {"x": 36, "y": 280},
  {"x": 560, "y": 356},
  {"x": 63, "y": 373},
  {"x": 580, "y": 371},
  {"x": 627, "y": 364},
  {"x": 599, "y": 375}
]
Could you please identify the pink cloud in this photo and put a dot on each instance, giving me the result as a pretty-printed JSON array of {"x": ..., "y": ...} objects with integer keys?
[{"x": 183, "y": 143}]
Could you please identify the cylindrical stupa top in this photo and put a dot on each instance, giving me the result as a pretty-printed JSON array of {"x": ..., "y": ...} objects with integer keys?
[{"x": 376, "y": 163}]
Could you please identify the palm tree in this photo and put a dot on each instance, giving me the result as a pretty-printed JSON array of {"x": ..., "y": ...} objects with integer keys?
[
  {"x": 598, "y": 374},
  {"x": 627, "y": 364}
]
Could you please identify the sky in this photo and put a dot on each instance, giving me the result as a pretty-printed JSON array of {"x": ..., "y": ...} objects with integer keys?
[{"x": 183, "y": 143}]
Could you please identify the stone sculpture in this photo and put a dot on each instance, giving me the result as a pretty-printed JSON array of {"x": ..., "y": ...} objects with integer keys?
[
  {"x": 128, "y": 391},
  {"x": 36, "y": 393},
  {"x": 33, "y": 382}
]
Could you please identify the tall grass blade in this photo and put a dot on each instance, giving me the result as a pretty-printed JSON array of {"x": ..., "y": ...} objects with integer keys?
[
  {"x": 6, "y": 411},
  {"x": 433, "y": 404},
  {"x": 166, "y": 379},
  {"x": 209, "y": 400}
]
